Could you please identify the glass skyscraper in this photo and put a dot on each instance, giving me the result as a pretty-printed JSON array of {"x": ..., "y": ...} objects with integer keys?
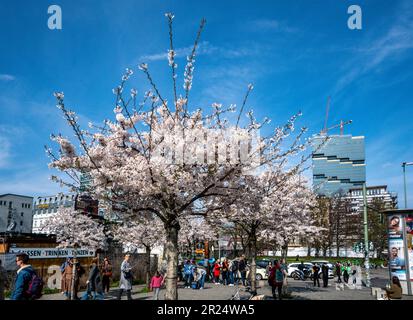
[{"x": 338, "y": 163}]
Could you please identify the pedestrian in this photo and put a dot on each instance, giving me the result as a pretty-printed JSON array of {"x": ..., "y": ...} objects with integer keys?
[
  {"x": 395, "y": 290},
  {"x": 62, "y": 270},
  {"x": 68, "y": 279},
  {"x": 106, "y": 274},
  {"x": 188, "y": 271},
  {"x": 94, "y": 282},
  {"x": 199, "y": 276},
  {"x": 125, "y": 278},
  {"x": 217, "y": 272},
  {"x": 297, "y": 257},
  {"x": 316, "y": 276},
  {"x": 324, "y": 272},
  {"x": 156, "y": 284},
  {"x": 275, "y": 280},
  {"x": 268, "y": 268},
  {"x": 284, "y": 270},
  {"x": 345, "y": 273},
  {"x": 242, "y": 267},
  {"x": 354, "y": 274},
  {"x": 338, "y": 272},
  {"x": 234, "y": 272},
  {"x": 4, "y": 283},
  {"x": 24, "y": 278},
  {"x": 225, "y": 269}
]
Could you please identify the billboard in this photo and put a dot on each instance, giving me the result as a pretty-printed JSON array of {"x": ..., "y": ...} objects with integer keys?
[{"x": 400, "y": 234}]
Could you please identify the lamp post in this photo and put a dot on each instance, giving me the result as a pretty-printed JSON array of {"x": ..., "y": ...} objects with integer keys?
[
  {"x": 404, "y": 164},
  {"x": 366, "y": 238}
]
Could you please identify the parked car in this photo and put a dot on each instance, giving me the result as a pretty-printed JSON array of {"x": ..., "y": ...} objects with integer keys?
[
  {"x": 261, "y": 273},
  {"x": 262, "y": 263},
  {"x": 294, "y": 267}
]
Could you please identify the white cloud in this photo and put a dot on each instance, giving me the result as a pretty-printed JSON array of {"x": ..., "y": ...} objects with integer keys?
[
  {"x": 204, "y": 48},
  {"x": 396, "y": 41},
  {"x": 271, "y": 25},
  {"x": 6, "y": 77},
  {"x": 4, "y": 151}
]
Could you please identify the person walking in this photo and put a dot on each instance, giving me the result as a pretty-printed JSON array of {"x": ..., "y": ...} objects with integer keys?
[
  {"x": 106, "y": 274},
  {"x": 225, "y": 270},
  {"x": 24, "y": 276},
  {"x": 345, "y": 273},
  {"x": 156, "y": 284},
  {"x": 338, "y": 272},
  {"x": 68, "y": 279},
  {"x": 4, "y": 283},
  {"x": 62, "y": 270},
  {"x": 125, "y": 282},
  {"x": 217, "y": 272},
  {"x": 284, "y": 269},
  {"x": 234, "y": 272},
  {"x": 324, "y": 272},
  {"x": 275, "y": 280},
  {"x": 94, "y": 282},
  {"x": 188, "y": 273},
  {"x": 316, "y": 276},
  {"x": 242, "y": 267}
]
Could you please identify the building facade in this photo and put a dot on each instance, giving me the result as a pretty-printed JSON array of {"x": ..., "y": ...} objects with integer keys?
[
  {"x": 372, "y": 193},
  {"x": 46, "y": 207},
  {"x": 16, "y": 213},
  {"x": 338, "y": 163}
]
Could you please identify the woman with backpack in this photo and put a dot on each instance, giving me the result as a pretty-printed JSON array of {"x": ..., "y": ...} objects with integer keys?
[{"x": 275, "y": 280}]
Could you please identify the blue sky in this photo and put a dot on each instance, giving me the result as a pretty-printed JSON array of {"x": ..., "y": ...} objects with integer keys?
[{"x": 296, "y": 53}]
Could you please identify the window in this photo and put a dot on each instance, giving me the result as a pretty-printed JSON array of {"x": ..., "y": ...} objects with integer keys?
[
  {"x": 29, "y": 205},
  {"x": 22, "y": 214},
  {"x": 21, "y": 223}
]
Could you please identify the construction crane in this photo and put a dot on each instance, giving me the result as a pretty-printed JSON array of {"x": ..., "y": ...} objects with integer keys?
[{"x": 341, "y": 124}]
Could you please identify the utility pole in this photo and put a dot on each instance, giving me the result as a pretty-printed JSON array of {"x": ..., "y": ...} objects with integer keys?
[
  {"x": 366, "y": 238},
  {"x": 404, "y": 164}
]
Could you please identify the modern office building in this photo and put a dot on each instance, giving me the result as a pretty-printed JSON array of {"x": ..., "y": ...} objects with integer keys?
[
  {"x": 15, "y": 213},
  {"x": 46, "y": 207},
  {"x": 372, "y": 193},
  {"x": 338, "y": 163}
]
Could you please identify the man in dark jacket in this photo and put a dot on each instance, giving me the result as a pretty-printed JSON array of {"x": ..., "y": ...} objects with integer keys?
[
  {"x": 242, "y": 267},
  {"x": 24, "y": 276},
  {"x": 324, "y": 271}
]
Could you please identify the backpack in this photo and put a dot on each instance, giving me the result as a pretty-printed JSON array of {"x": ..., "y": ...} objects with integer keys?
[
  {"x": 35, "y": 288},
  {"x": 187, "y": 269},
  {"x": 234, "y": 266}
]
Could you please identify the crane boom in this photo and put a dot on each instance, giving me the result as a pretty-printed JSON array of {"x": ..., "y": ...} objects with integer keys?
[{"x": 326, "y": 119}]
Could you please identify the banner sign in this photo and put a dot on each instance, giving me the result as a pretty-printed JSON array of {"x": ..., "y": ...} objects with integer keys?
[{"x": 51, "y": 253}]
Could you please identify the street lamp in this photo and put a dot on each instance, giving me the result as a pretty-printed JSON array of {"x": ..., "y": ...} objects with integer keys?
[{"x": 404, "y": 164}]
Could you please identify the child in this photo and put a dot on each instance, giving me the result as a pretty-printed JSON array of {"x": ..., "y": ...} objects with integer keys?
[{"x": 156, "y": 283}]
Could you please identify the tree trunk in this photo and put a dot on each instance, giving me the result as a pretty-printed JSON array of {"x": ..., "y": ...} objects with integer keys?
[
  {"x": 284, "y": 251},
  {"x": 171, "y": 281},
  {"x": 148, "y": 265},
  {"x": 252, "y": 254}
]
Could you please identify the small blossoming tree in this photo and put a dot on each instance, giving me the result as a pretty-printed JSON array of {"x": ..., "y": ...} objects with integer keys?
[{"x": 166, "y": 158}]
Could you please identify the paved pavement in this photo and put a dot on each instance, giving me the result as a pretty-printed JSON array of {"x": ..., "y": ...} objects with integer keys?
[{"x": 299, "y": 290}]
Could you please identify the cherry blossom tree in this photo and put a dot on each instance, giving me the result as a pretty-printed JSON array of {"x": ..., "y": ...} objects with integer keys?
[
  {"x": 165, "y": 158},
  {"x": 293, "y": 215},
  {"x": 75, "y": 229}
]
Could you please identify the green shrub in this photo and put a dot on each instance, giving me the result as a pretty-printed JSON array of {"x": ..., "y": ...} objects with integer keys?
[{"x": 50, "y": 291}]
